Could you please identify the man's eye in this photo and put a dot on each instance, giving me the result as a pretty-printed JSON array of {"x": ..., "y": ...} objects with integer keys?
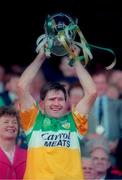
[
  {"x": 51, "y": 99},
  {"x": 5, "y": 121},
  {"x": 61, "y": 99}
]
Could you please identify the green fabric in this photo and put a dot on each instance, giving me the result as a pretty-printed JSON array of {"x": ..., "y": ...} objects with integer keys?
[
  {"x": 45, "y": 123},
  {"x": 2, "y": 102}
]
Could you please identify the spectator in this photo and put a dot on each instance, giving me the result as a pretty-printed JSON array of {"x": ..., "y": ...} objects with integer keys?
[
  {"x": 88, "y": 168},
  {"x": 75, "y": 94},
  {"x": 12, "y": 157},
  {"x": 100, "y": 154},
  {"x": 112, "y": 92},
  {"x": 116, "y": 79},
  {"x": 106, "y": 115},
  {"x": 9, "y": 96}
]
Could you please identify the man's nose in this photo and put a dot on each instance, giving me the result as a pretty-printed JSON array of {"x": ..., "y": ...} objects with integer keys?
[
  {"x": 11, "y": 124},
  {"x": 99, "y": 160},
  {"x": 56, "y": 102}
]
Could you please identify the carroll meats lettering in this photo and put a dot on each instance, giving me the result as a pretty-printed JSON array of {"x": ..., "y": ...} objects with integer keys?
[{"x": 61, "y": 139}]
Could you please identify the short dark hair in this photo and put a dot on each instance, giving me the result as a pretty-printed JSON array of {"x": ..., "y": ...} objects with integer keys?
[
  {"x": 52, "y": 86},
  {"x": 11, "y": 111}
]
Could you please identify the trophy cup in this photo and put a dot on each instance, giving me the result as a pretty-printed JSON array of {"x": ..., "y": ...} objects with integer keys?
[{"x": 61, "y": 33}]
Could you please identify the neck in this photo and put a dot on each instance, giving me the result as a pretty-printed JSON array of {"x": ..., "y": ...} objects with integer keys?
[
  {"x": 100, "y": 175},
  {"x": 7, "y": 145}
]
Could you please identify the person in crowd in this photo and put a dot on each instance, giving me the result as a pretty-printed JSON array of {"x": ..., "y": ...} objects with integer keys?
[
  {"x": 12, "y": 157},
  {"x": 100, "y": 155},
  {"x": 75, "y": 92},
  {"x": 116, "y": 79},
  {"x": 106, "y": 115},
  {"x": 9, "y": 96},
  {"x": 88, "y": 169},
  {"x": 53, "y": 146},
  {"x": 112, "y": 92}
]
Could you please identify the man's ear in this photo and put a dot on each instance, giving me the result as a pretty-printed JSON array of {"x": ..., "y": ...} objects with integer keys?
[{"x": 41, "y": 104}]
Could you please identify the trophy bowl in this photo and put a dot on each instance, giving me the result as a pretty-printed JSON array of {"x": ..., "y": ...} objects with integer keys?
[{"x": 56, "y": 28}]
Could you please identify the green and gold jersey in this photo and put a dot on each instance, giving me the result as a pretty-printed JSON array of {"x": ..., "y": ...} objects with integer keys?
[{"x": 53, "y": 145}]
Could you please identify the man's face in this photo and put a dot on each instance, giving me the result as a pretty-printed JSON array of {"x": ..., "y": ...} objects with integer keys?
[
  {"x": 88, "y": 169},
  {"x": 54, "y": 104},
  {"x": 101, "y": 84},
  {"x": 8, "y": 127},
  {"x": 101, "y": 160}
]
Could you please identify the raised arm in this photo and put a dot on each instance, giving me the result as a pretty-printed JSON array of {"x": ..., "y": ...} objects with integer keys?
[
  {"x": 90, "y": 93},
  {"x": 23, "y": 87}
]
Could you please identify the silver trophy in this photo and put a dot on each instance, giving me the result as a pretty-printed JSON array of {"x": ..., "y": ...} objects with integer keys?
[{"x": 61, "y": 34}]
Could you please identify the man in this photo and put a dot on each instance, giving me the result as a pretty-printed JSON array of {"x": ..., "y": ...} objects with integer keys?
[
  {"x": 12, "y": 157},
  {"x": 75, "y": 92},
  {"x": 88, "y": 169},
  {"x": 106, "y": 115},
  {"x": 100, "y": 154},
  {"x": 53, "y": 148}
]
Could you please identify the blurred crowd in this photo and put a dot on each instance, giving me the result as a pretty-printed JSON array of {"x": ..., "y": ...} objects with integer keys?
[{"x": 101, "y": 147}]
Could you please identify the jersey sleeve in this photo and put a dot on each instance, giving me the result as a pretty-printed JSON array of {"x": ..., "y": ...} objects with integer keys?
[
  {"x": 81, "y": 122},
  {"x": 28, "y": 118}
]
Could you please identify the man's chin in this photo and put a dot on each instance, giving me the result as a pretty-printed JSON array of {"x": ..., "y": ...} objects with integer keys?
[{"x": 56, "y": 115}]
